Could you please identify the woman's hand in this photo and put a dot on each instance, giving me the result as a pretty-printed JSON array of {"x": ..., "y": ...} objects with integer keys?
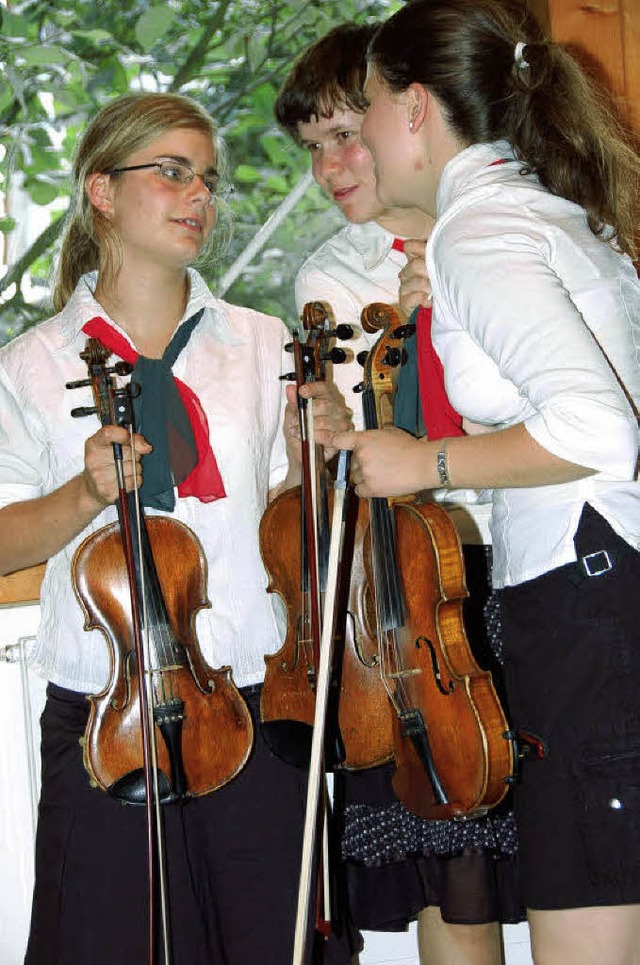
[
  {"x": 35, "y": 529},
  {"x": 388, "y": 462},
  {"x": 99, "y": 475},
  {"x": 330, "y": 416},
  {"x": 415, "y": 287}
]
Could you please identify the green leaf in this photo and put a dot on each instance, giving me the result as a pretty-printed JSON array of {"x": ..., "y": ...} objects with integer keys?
[
  {"x": 12, "y": 25},
  {"x": 44, "y": 54},
  {"x": 7, "y": 225},
  {"x": 247, "y": 174},
  {"x": 153, "y": 25},
  {"x": 96, "y": 36},
  {"x": 277, "y": 183},
  {"x": 275, "y": 149},
  {"x": 6, "y": 96},
  {"x": 41, "y": 192},
  {"x": 111, "y": 77},
  {"x": 263, "y": 101}
]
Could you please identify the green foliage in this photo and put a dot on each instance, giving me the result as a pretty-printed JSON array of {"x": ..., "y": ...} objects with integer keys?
[{"x": 60, "y": 63}]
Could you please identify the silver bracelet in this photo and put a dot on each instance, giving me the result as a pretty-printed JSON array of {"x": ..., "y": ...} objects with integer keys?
[{"x": 441, "y": 466}]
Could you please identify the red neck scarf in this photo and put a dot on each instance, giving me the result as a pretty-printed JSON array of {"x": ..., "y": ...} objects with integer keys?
[
  {"x": 203, "y": 480},
  {"x": 440, "y": 418}
]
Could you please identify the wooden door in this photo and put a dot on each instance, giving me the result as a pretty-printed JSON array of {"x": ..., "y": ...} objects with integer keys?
[{"x": 609, "y": 32}]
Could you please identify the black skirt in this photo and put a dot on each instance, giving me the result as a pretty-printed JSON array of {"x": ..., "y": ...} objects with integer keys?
[
  {"x": 572, "y": 648},
  {"x": 233, "y": 861}
]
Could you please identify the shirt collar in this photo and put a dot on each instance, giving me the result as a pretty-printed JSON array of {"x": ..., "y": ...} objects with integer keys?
[
  {"x": 371, "y": 241},
  {"x": 469, "y": 166},
  {"x": 82, "y": 306}
]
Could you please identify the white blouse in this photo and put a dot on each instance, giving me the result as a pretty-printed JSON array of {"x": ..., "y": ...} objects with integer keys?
[
  {"x": 538, "y": 321},
  {"x": 232, "y": 362},
  {"x": 355, "y": 267}
]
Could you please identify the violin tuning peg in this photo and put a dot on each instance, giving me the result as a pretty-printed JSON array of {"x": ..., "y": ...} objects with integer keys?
[
  {"x": 288, "y": 377},
  {"x": 393, "y": 357},
  {"x": 78, "y": 384},
  {"x": 82, "y": 411},
  {"x": 405, "y": 331},
  {"x": 336, "y": 355},
  {"x": 361, "y": 357},
  {"x": 289, "y": 347},
  {"x": 122, "y": 368},
  {"x": 344, "y": 332},
  {"x": 359, "y": 387},
  {"x": 133, "y": 390}
]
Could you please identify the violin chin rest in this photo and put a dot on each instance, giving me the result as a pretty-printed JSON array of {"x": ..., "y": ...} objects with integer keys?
[
  {"x": 290, "y": 740},
  {"x": 130, "y": 788}
]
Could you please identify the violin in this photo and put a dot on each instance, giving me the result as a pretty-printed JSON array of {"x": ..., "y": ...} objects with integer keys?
[
  {"x": 358, "y": 722},
  {"x": 452, "y": 748},
  {"x": 141, "y": 582}
]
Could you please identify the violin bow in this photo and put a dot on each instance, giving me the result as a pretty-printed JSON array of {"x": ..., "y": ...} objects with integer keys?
[
  {"x": 316, "y": 766},
  {"x": 114, "y": 407}
]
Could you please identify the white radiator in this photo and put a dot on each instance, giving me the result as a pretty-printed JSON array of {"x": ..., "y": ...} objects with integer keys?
[{"x": 22, "y": 697}]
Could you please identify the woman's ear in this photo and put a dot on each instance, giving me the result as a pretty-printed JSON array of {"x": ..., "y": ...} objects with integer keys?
[
  {"x": 418, "y": 105},
  {"x": 99, "y": 191}
]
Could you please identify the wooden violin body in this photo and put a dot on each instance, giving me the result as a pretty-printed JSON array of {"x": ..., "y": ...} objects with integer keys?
[
  {"x": 358, "y": 731},
  {"x": 433, "y": 680},
  {"x": 357, "y": 690},
  {"x": 452, "y": 749},
  {"x": 203, "y": 728}
]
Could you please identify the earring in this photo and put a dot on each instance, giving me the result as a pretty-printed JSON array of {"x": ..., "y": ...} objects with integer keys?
[{"x": 410, "y": 125}]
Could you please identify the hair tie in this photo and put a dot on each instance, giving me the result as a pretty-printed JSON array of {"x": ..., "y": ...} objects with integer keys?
[{"x": 518, "y": 55}]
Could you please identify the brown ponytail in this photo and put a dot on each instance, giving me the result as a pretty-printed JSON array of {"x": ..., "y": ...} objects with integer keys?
[{"x": 535, "y": 96}]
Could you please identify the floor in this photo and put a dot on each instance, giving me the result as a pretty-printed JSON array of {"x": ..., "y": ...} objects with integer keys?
[{"x": 387, "y": 949}]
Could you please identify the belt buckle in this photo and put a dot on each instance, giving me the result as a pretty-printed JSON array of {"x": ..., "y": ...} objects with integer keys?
[{"x": 595, "y": 564}]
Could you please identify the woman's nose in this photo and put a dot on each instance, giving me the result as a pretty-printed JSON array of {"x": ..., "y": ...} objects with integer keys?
[
  {"x": 198, "y": 189},
  {"x": 326, "y": 163}
]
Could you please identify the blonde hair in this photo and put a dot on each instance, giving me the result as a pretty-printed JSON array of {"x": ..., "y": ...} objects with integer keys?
[{"x": 122, "y": 127}]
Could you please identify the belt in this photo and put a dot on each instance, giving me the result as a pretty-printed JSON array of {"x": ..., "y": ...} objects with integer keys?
[{"x": 598, "y": 563}]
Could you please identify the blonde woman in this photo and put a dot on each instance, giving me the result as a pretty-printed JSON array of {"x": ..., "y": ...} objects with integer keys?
[{"x": 147, "y": 177}]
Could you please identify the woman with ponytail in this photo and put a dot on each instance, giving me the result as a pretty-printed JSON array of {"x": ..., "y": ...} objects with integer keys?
[{"x": 483, "y": 123}]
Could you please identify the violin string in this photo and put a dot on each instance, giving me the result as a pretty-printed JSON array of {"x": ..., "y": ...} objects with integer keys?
[
  {"x": 387, "y": 587},
  {"x": 313, "y": 473},
  {"x": 163, "y": 639},
  {"x": 150, "y": 706},
  {"x": 304, "y": 623}
]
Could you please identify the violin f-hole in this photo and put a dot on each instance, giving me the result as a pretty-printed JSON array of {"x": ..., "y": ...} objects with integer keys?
[{"x": 436, "y": 668}]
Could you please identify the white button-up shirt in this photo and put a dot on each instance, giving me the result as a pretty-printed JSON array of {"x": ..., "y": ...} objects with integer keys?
[
  {"x": 355, "y": 267},
  {"x": 538, "y": 321},
  {"x": 232, "y": 362}
]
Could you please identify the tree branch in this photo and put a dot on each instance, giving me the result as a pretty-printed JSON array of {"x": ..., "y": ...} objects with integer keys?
[
  {"x": 42, "y": 243},
  {"x": 195, "y": 58}
]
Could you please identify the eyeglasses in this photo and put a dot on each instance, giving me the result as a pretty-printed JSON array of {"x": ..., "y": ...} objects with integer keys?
[{"x": 179, "y": 175}]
